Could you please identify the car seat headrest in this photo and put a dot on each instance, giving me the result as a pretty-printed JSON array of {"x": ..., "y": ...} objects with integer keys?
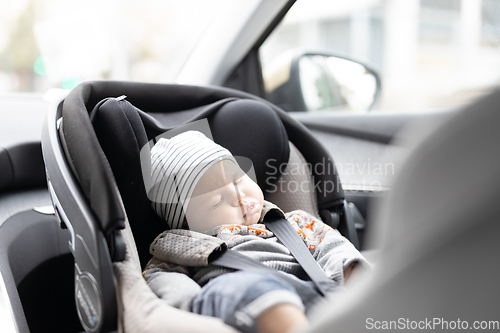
[{"x": 253, "y": 130}]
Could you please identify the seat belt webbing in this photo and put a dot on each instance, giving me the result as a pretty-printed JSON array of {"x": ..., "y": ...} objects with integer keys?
[
  {"x": 235, "y": 260},
  {"x": 289, "y": 237}
]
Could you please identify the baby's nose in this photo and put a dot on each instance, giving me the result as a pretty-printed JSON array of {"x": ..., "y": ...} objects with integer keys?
[{"x": 240, "y": 195}]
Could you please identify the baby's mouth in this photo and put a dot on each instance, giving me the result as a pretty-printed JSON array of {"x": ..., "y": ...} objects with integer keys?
[{"x": 252, "y": 209}]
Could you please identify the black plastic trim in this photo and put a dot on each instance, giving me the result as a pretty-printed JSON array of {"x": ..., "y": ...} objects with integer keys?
[
  {"x": 88, "y": 246},
  {"x": 22, "y": 166},
  {"x": 28, "y": 240},
  {"x": 379, "y": 127},
  {"x": 247, "y": 76}
]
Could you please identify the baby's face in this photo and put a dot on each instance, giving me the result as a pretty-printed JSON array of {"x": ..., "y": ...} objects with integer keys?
[{"x": 224, "y": 195}]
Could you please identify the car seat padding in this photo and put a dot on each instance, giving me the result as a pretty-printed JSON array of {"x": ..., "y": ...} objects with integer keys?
[
  {"x": 86, "y": 157},
  {"x": 296, "y": 179},
  {"x": 252, "y": 129},
  {"x": 122, "y": 135}
]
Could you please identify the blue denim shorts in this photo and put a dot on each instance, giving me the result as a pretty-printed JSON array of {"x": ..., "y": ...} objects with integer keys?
[{"x": 239, "y": 298}]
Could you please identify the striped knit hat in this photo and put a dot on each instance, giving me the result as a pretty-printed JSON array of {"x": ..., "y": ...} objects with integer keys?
[{"x": 177, "y": 164}]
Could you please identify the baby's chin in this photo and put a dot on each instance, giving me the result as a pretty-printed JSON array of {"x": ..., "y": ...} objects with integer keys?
[{"x": 253, "y": 220}]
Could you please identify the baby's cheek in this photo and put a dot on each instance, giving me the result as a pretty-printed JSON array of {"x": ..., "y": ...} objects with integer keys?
[
  {"x": 193, "y": 224},
  {"x": 234, "y": 217},
  {"x": 220, "y": 218}
]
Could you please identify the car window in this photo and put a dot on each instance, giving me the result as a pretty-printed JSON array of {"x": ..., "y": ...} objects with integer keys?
[
  {"x": 57, "y": 44},
  {"x": 429, "y": 53}
]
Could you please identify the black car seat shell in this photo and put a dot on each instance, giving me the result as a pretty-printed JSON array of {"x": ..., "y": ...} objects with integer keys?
[{"x": 93, "y": 170}]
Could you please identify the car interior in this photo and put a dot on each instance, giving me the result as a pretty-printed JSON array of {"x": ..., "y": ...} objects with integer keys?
[
  {"x": 93, "y": 210},
  {"x": 72, "y": 202}
]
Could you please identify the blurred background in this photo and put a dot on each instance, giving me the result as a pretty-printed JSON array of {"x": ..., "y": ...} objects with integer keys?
[{"x": 429, "y": 53}]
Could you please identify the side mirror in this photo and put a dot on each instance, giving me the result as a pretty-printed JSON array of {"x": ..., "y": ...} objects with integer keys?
[{"x": 316, "y": 82}]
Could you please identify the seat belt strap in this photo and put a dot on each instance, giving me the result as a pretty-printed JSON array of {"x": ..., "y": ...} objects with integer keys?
[
  {"x": 232, "y": 259},
  {"x": 288, "y": 236}
]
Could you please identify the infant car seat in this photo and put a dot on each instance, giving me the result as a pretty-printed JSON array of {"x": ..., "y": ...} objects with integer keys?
[{"x": 91, "y": 145}]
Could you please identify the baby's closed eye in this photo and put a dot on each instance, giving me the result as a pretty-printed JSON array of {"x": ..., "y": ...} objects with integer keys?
[{"x": 221, "y": 200}]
